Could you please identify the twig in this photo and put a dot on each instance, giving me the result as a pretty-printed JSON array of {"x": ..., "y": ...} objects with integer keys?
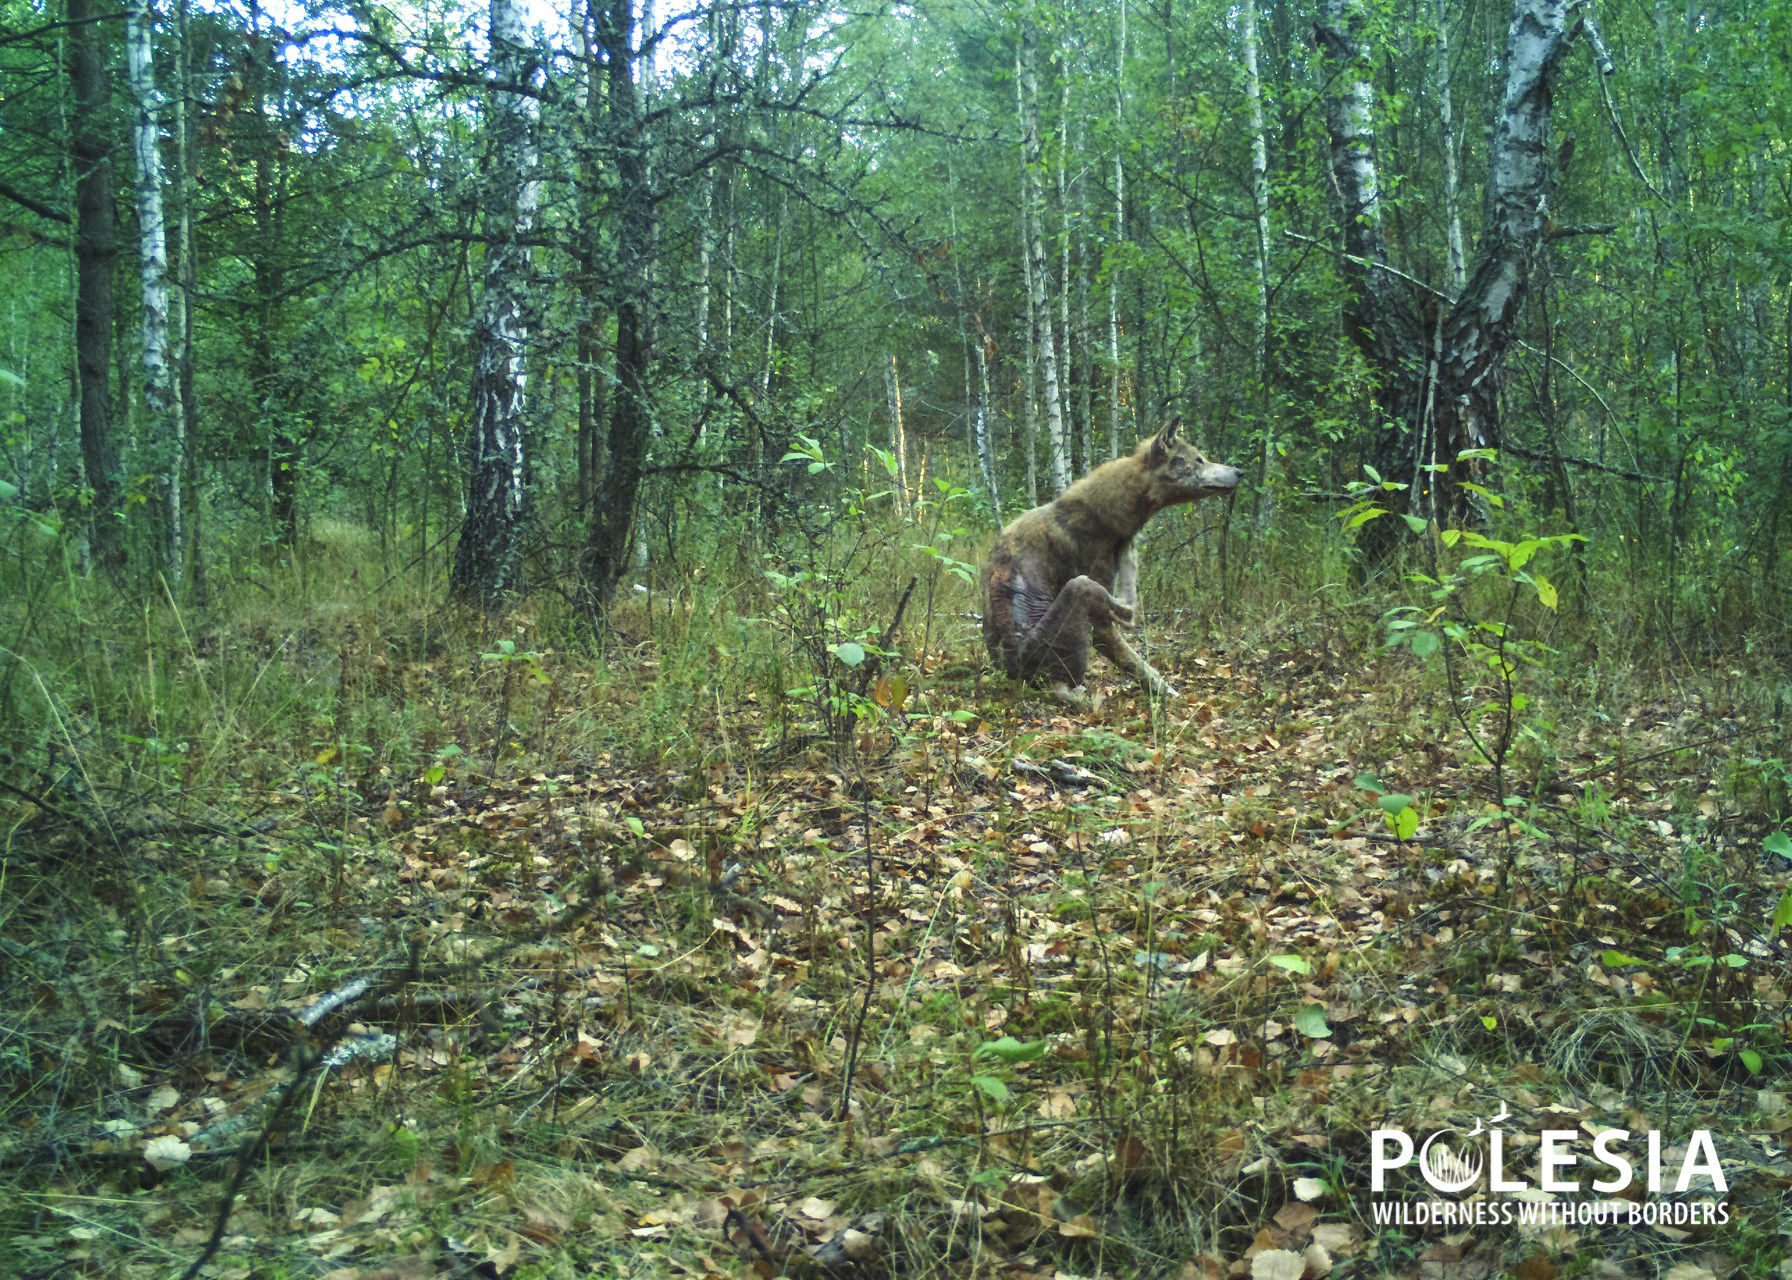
[
  {"x": 1603, "y": 59},
  {"x": 1372, "y": 265},
  {"x": 1585, "y": 464},
  {"x": 858, "y": 1026},
  {"x": 1060, "y": 771},
  {"x": 1377, "y": 837},
  {"x": 45, "y": 805},
  {"x": 1615, "y": 765},
  {"x": 874, "y": 664}
]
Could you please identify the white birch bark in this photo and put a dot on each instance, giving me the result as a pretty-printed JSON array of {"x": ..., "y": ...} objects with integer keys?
[
  {"x": 1064, "y": 221},
  {"x": 485, "y": 561},
  {"x": 1455, "y": 267},
  {"x": 980, "y": 434},
  {"x": 1058, "y": 453},
  {"x": 1030, "y": 375},
  {"x": 1260, "y": 206},
  {"x": 1119, "y": 236},
  {"x": 167, "y": 415},
  {"x": 898, "y": 433}
]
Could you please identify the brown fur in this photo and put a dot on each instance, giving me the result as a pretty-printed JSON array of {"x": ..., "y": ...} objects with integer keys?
[{"x": 1065, "y": 574}]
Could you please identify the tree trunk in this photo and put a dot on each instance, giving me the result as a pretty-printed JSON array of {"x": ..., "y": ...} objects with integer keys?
[
  {"x": 167, "y": 417},
  {"x": 898, "y": 434},
  {"x": 485, "y": 561},
  {"x": 96, "y": 243},
  {"x": 1065, "y": 346},
  {"x": 1455, "y": 269},
  {"x": 612, "y": 513},
  {"x": 1439, "y": 397},
  {"x": 1030, "y": 372},
  {"x": 1033, "y": 203},
  {"x": 980, "y": 428},
  {"x": 1119, "y": 235},
  {"x": 184, "y": 306},
  {"x": 1260, "y": 206},
  {"x": 267, "y": 374}
]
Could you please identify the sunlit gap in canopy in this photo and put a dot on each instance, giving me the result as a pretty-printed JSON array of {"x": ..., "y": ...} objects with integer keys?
[{"x": 456, "y": 34}]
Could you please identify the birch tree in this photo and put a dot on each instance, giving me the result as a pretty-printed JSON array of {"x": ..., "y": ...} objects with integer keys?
[
  {"x": 168, "y": 424},
  {"x": 485, "y": 562},
  {"x": 1119, "y": 233},
  {"x": 898, "y": 433},
  {"x": 1033, "y": 204},
  {"x": 1260, "y": 208},
  {"x": 1438, "y": 363}
]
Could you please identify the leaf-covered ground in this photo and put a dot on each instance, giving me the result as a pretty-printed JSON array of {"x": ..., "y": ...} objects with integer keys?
[{"x": 1011, "y": 991}]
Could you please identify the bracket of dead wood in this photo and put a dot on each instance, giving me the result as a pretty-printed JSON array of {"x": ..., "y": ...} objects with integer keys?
[
  {"x": 874, "y": 665},
  {"x": 1061, "y": 772}
]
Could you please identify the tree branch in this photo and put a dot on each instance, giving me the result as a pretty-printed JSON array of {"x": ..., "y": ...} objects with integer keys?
[{"x": 36, "y": 206}]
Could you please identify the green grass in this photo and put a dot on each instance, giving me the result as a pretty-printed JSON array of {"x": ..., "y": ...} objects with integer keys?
[{"x": 596, "y": 1046}]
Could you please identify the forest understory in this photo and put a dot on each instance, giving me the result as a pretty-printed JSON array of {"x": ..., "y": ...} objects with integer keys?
[{"x": 660, "y": 976}]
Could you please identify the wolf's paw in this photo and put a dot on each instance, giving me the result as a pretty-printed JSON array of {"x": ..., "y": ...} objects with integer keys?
[{"x": 1076, "y": 698}]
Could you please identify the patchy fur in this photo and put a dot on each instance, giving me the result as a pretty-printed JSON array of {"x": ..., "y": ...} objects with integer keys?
[{"x": 1066, "y": 574}]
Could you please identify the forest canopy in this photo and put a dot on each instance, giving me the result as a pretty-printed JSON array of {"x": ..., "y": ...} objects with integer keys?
[{"x": 554, "y": 294}]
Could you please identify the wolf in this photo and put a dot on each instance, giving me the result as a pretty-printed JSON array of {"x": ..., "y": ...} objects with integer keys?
[{"x": 1067, "y": 573}]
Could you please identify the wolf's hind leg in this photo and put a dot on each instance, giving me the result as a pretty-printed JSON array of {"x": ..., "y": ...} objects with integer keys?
[{"x": 1057, "y": 646}]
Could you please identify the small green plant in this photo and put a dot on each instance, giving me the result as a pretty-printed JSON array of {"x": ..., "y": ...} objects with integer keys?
[
  {"x": 990, "y": 1056},
  {"x": 1474, "y": 586},
  {"x": 823, "y": 600},
  {"x": 513, "y": 662},
  {"x": 1396, "y": 809}
]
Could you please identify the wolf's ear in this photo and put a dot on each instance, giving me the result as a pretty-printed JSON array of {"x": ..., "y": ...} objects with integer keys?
[{"x": 1160, "y": 446}]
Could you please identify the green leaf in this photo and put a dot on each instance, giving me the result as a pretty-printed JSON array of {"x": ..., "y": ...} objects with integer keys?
[
  {"x": 1363, "y": 517},
  {"x": 996, "y": 1090},
  {"x": 637, "y": 826},
  {"x": 1782, "y": 913},
  {"x": 852, "y": 654},
  {"x": 1310, "y": 1022},
  {"x": 1415, "y": 523},
  {"x": 1405, "y": 823},
  {"x": 1751, "y": 1060},
  {"x": 1425, "y": 643},
  {"x": 1369, "y": 782},
  {"x": 1546, "y": 591},
  {"x": 1615, "y": 959},
  {"x": 1010, "y": 1050},
  {"x": 1395, "y": 803},
  {"x": 1779, "y": 842},
  {"x": 1293, "y": 964},
  {"x": 1736, "y": 961},
  {"x": 1489, "y": 1021}
]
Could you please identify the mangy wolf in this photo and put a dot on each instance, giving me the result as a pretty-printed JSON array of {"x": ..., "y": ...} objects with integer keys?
[{"x": 1066, "y": 573}]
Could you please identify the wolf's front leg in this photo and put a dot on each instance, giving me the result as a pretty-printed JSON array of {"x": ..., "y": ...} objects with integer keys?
[{"x": 1115, "y": 648}]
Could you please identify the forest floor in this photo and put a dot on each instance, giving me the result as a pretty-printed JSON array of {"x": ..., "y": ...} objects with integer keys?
[{"x": 991, "y": 989}]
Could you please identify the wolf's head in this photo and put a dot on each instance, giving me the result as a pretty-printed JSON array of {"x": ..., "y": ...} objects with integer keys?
[{"x": 1179, "y": 472}]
